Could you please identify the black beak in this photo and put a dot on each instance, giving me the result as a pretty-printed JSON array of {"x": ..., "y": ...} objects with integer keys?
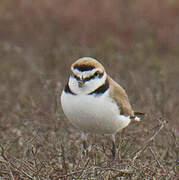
[{"x": 81, "y": 82}]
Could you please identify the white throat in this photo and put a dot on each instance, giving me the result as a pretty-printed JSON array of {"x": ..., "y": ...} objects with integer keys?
[{"x": 88, "y": 86}]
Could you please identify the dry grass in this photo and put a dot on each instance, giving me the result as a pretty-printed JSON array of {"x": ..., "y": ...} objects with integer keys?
[{"x": 138, "y": 44}]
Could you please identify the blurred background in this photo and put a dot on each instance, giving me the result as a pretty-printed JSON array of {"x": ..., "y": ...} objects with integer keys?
[{"x": 136, "y": 41}]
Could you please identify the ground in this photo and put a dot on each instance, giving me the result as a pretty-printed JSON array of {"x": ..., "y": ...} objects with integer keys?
[{"x": 137, "y": 42}]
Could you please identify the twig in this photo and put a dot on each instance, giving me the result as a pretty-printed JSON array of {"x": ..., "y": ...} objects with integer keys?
[
  {"x": 138, "y": 152},
  {"x": 8, "y": 166},
  {"x": 21, "y": 171},
  {"x": 24, "y": 163},
  {"x": 158, "y": 162},
  {"x": 122, "y": 171},
  {"x": 4, "y": 159},
  {"x": 64, "y": 159},
  {"x": 119, "y": 171},
  {"x": 86, "y": 164},
  {"x": 73, "y": 173}
]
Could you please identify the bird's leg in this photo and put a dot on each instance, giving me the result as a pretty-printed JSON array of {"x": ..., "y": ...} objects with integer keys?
[
  {"x": 84, "y": 143},
  {"x": 113, "y": 150}
]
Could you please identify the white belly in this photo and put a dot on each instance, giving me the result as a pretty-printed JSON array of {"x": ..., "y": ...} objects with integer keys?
[{"x": 96, "y": 114}]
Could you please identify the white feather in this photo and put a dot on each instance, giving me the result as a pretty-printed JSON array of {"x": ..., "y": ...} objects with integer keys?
[
  {"x": 90, "y": 113},
  {"x": 88, "y": 87}
]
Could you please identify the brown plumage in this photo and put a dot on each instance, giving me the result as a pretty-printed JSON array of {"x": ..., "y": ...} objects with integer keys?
[
  {"x": 97, "y": 95},
  {"x": 121, "y": 98},
  {"x": 116, "y": 91},
  {"x": 88, "y": 62}
]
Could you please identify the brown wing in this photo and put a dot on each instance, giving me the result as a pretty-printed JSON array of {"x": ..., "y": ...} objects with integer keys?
[{"x": 121, "y": 98}]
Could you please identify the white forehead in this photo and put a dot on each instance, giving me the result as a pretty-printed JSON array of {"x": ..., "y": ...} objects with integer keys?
[{"x": 84, "y": 73}]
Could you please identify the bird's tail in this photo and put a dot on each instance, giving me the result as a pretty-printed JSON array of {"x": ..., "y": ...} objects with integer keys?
[{"x": 138, "y": 116}]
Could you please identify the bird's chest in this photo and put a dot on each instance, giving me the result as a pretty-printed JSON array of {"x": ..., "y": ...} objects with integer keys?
[{"x": 90, "y": 112}]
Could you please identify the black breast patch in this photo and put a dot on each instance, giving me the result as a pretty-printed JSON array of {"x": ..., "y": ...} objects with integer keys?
[
  {"x": 68, "y": 90},
  {"x": 104, "y": 87}
]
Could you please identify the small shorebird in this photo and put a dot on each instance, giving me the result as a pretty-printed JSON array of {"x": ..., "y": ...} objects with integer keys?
[{"x": 94, "y": 102}]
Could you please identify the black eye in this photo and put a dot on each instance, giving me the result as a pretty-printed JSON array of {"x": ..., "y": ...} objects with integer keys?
[
  {"x": 98, "y": 74},
  {"x": 76, "y": 77}
]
